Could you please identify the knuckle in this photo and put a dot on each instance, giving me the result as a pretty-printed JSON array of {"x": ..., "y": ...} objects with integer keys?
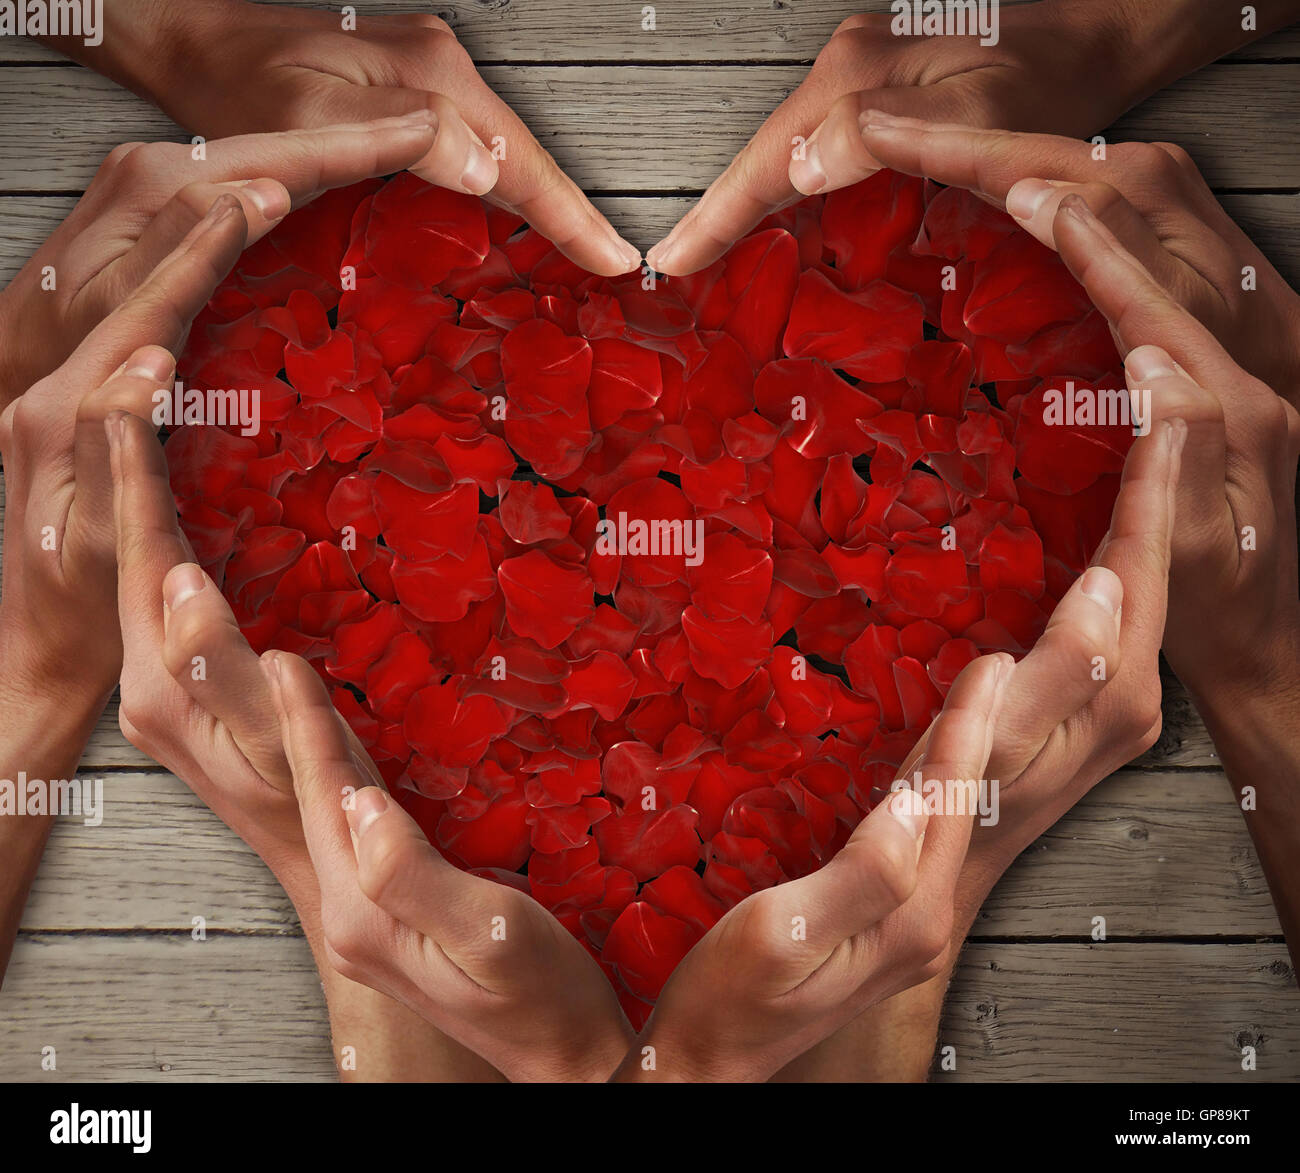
[
  {"x": 346, "y": 938},
  {"x": 114, "y": 160},
  {"x": 1184, "y": 161},
  {"x": 863, "y": 22},
  {"x": 382, "y": 866},
  {"x": 26, "y": 422},
  {"x": 1141, "y": 720},
  {"x": 189, "y": 634},
  {"x": 1146, "y": 158},
  {"x": 148, "y": 160},
  {"x": 894, "y": 869},
  {"x": 839, "y": 54},
  {"x": 138, "y": 725},
  {"x": 761, "y": 931},
  {"x": 343, "y": 966}
]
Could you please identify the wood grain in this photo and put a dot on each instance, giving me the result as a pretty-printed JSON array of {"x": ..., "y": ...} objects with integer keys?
[
  {"x": 1118, "y": 1012},
  {"x": 605, "y": 31},
  {"x": 620, "y": 129},
  {"x": 1157, "y": 855},
  {"x": 167, "y": 1008}
]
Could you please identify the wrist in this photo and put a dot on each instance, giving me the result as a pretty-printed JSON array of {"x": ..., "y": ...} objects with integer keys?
[
  {"x": 1253, "y": 685},
  {"x": 150, "y": 46},
  {"x": 45, "y": 701}
]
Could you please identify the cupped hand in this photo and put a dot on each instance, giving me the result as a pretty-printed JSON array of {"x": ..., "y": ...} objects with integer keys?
[
  {"x": 1150, "y": 196},
  {"x": 143, "y": 201},
  {"x": 483, "y": 962},
  {"x": 788, "y": 966},
  {"x": 270, "y": 755},
  {"x": 1234, "y": 552},
  {"x": 59, "y": 608},
  {"x": 233, "y": 68},
  {"x": 879, "y": 919}
]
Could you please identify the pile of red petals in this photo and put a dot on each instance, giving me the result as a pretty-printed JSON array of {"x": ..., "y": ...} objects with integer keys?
[{"x": 850, "y": 402}]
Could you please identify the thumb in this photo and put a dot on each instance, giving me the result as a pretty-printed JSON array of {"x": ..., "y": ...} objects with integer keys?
[{"x": 836, "y": 155}]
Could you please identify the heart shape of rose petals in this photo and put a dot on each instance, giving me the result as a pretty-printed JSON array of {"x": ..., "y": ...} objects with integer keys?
[{"x": 639, "y": 591}]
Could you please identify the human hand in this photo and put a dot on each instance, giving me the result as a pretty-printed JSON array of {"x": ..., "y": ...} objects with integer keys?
[
  {"x": 789, "y": 965},
  {"x": 1041, "y": 75},
  {"x": 143, "y": 201},
  {"x": 227, "y": 67},
  {"x": 1149, "y": 195},
  {"x": 1082, "y": 702},
  {"x": 1234, "y": 551},
  {"x": 59, "y": 608},
  {"x": 483, "y": 962}
]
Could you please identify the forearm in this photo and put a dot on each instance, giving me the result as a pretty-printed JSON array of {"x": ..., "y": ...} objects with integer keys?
[
  {"x": 1169, "y": 39},
  {"x": 1257, "y": 737},
  {"x": 146, "y": 43},
  {"x": 43, "y": 740},
  {"x": 375, "y": 1038},
  {"x": 893, "y": 1042}
]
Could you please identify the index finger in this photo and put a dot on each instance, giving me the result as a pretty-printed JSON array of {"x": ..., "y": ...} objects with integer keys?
[
  {"x": 308, "y": 162},
  {"x": 975, "y": 158}
]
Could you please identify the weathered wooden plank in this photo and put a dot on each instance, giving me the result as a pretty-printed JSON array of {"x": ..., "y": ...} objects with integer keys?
[
  {"x": 1111, "y": 1013},
  {"x": 1272, "y": 221},
  {"x": 159, "y": 859},
  {"x": 164, "y": 1008},
  {"x": 1157, "y": 855},
  {"x": 598, "y": 31},
  {"x": 642, "y": 128}
]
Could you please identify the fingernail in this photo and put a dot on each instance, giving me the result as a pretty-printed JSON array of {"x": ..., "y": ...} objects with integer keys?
[
  {"x": 480, "y": 174},
  {"x": 1176, "y": 438},
  {"x": 909, "y": 809},
  {"x": 1148, "y": 362},
  {"x": 1075, "y": 205},
  {"x": 182, "y": 583},
  {"x": 626, "y": 254},
  {"x": 1006, "y": 667},
  {"x": 222, "y": 208},
  {"x": 659, "y": 257},
  {"x": 367, "y": 805},
  {"x": 1103, "y": 587},
  {"x": 421, "y": 118},
  {"x": 878, "y": 119},
  {"x": 114, "y": 426},
  {"x": 809, "y": 174},
  {"x": 1026, "y": 197},
  {"x": 270, "y": 198},
  {"x": 152, "y": 363},
  {"x": 270, "y": 662}
]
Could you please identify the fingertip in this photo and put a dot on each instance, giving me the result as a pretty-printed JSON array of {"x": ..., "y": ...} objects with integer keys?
[
  {"x": 1146, "y": 363},
  {"x": 807, "y": 172},
  {"x": 1103, "y": 586},
  {"x": 481, "y": 170},
  {"x": 154, "y": 363},
  {"x": 1026, "y": 197},
  {"x": 182, "y": 583},
  {"x": 114, "y": 427},
  {"x": 369, "y": 804},
  {"x": 907, "y": 807}
]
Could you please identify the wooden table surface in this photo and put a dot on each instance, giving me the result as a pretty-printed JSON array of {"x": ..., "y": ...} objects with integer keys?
[{"x": 1193, "y": 969}]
